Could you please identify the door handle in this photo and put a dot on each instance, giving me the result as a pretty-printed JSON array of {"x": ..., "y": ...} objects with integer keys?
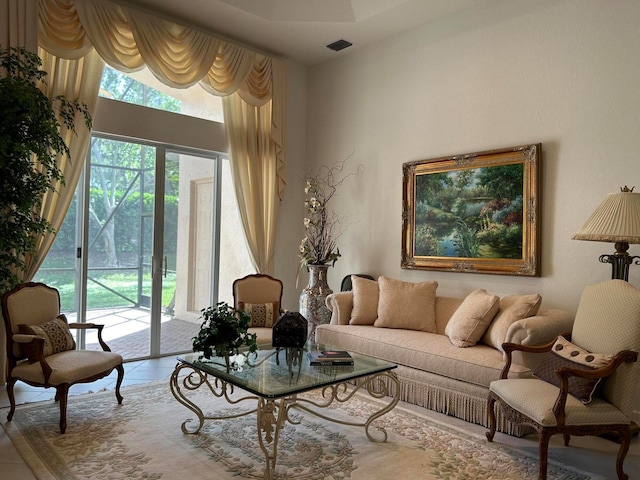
[{"x": 165, "y": 266}]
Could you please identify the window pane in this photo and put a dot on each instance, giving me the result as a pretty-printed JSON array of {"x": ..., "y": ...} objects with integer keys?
[{"x": 142, "y": 88}]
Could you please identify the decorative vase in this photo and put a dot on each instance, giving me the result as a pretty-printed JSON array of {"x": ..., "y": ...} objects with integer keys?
[{"x": 312, "y": 300}]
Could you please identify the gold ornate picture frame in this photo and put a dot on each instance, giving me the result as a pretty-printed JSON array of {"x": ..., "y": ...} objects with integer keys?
[{"x": 477, "y": 212}]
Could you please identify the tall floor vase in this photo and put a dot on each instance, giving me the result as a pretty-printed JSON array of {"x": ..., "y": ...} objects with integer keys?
[{"x": 312, "y": 300}]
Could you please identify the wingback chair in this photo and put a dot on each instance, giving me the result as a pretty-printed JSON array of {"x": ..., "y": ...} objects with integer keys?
[
  {"x": 566, "y": 396},
  {"x": 41, "y": 350},
  {"x": 260, "y": 296}
]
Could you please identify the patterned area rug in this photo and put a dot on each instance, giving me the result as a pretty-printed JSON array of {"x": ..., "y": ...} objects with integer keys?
[{"x": 142, "y": 439}]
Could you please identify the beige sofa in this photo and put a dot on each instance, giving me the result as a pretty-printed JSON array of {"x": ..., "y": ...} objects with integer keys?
[{"x": 392, "y": 320}]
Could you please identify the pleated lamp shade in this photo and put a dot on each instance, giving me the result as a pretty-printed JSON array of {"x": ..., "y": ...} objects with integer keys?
[{"x": 617, "y": 219}]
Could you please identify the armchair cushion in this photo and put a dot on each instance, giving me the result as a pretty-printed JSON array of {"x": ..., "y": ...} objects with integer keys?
[
  {"x": 565, "y": 354},
  {"x": 472, "y": 317},
  {"x": 535, "y": 399},
  {"x": 262, "y": 314},
  {"x": 69, "y": 367},
  {"x": 56, "y": 334},
  {"x": 365, "y": 301}
]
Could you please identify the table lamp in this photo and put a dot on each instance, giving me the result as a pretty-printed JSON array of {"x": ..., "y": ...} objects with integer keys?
[{"x": 616, "y": 220}]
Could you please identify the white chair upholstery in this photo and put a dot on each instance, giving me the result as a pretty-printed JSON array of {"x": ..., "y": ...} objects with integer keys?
[
  {"x": 34, "y": 304},
  {"x": 256, "y": 289},
  {"x": 607, "y": 322}
]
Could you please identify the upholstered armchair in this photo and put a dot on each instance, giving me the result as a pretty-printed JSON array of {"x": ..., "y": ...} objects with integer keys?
[
  {"x": 41, "y": 350},
  {"x": 260, "y": 296},
  {"x": 588, "y": 386}
]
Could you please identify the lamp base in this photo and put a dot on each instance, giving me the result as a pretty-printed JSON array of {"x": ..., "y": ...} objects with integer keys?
[{"x": 620, "y": 261}]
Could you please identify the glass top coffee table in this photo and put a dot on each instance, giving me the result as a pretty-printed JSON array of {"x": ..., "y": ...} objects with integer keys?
[{"x": 275, "y": 381}]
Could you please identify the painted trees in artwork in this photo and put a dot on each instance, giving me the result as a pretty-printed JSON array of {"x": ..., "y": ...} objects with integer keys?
[{"x": 473, "y": 212}]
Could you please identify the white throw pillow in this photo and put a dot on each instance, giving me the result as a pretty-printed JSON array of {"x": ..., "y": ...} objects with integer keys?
[
  {"x": 407, "y": 305},
  {"x": 472, "y": 318}
]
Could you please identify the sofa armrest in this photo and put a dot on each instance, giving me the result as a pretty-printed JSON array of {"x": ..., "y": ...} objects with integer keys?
[
  {"x": 537, "y": 330},
  {"x": 340, "y": 304}
]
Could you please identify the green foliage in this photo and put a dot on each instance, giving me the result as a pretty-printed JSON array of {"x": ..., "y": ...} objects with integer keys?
[
  {"x": 119, "y": 86},
  {"x": 427, "y": 243},
  {"x": 465, "y": 240},
  {"x": 479, "y": 209},
  {"x": 503, "y": 181},
  {"x": 223, "y": 331},
  {"x": 429, "y": 188},
  {"x": 505, "y": 240},
  {"x": 30, "y": 142}
]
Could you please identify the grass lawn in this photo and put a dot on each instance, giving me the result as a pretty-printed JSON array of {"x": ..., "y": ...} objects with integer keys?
[{"x": 125, "y": 284}]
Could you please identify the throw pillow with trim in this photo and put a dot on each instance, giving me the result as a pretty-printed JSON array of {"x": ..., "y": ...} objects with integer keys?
[
  {"x": 566, "y": 354},
  {"x": 472, "y": 318},
  {"x": 406, "y": 305},
  {"x": 262, "y": 314},
  {"x": 365, "y": 301},
  {"x": 56, "y": 333},
  {"x": 512, "y": 308}
]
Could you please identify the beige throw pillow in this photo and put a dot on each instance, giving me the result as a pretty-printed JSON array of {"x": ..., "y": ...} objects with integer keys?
[
  {"x": 56, "y": 334},
  {"x": 262, "y": 314},
  {"x": 472, "y": 318},
  {"x": 365, "y": 301},
  {"x": 512, "y": 309},
  {"x": 407, "y": 305}
]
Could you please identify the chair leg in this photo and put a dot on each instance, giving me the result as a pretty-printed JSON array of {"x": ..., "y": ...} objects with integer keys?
[
  {"x": 62, "y": 394},
  {"x": 120, "y": 369},
  {"x": 567, "y": 439},
  {"x": 492, "y": 417},
  {"x": 543, "y": 447},
  {"x": 625, "y": 440},
  {"x": 12, "y": 398}
]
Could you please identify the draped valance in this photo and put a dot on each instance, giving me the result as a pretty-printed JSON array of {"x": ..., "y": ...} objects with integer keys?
[{"x": 179, "y": 56}]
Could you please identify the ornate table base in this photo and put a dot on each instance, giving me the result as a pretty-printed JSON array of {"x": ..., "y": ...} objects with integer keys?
[{"x": 273, "y": 413}]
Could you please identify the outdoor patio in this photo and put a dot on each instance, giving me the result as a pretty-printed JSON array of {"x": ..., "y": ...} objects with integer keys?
[{"x": 127, "y": 332}]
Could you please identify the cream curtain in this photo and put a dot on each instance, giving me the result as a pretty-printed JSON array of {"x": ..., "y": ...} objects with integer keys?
[
  {"x": 74, "y": 79},
  {"x": 254, "y": 176},
  {"x": 128, "y": 39},
  {"x": 256, "y": 167},
  {"x": 19, "y": 27}
]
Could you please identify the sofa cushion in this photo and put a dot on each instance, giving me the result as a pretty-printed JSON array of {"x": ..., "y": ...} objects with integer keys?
[
  {"x": 471, "y": 319},
  {"x": 425, "y": 351},
  {"x": 445, "y": 308},
  {"x": 365, "y": 301},
  {"x": 565, "y": 354},
  {"x": 512, "y": 309},
  {"x": 56, "y": 334},
  {"x": 407, "y": 305}
]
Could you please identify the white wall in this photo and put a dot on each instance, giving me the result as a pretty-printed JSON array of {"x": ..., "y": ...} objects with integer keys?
[
  {"x": 290, "y": 230},
  {"x": 563, "y": 73}
]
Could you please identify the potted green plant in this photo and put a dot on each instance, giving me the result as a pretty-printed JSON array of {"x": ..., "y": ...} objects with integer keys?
[
  {"x": 30, "y": 143},
  {"x": 223, "y": 332}
]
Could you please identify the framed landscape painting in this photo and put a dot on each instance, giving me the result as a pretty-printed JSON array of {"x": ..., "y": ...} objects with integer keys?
[{"x": 477, "y": 212}]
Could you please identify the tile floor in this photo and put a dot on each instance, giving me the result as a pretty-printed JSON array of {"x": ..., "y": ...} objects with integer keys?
[{"x": 587, "y": 453}]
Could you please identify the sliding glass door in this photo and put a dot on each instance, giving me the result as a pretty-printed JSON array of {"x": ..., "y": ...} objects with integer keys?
[
  {"x": 185, "y": 269},
  {"x": 142, "y": 256}
]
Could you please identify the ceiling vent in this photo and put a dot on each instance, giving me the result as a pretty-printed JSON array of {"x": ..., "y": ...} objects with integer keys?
[{"x": 339, "y": 45}]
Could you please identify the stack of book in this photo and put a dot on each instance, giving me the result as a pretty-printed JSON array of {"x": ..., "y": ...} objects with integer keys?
[{"x": 330, "y": 357}]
